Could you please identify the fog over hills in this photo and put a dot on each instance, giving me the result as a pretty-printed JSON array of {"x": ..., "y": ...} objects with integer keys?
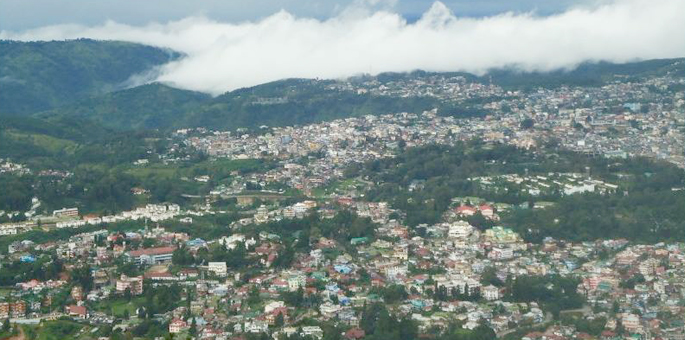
[{"x": 220, "y": 56}]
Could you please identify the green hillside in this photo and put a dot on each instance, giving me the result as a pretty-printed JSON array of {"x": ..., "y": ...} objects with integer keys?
[
  {"x": 36, "y": 76},
  {"x": 586, "y": 74},
  {"x": 151, "y": 106},
  {"x": 65, "y": 142},
  {"x": 286, "y": 102},
  {"x": 82, "y": 82}
]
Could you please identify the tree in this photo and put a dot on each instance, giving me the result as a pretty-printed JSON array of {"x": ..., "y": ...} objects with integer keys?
[
  {"x": 620, "y": 329},
  {"x": 82, "y": 276},
  {"x": 394, "y": 293},
  {"x": 181, "y": 256},
  {"x": 193, "y": 327},
  {"x": 279, "y": 320},
  {"x": 489, "y": 277},
  {"x": 479, "y": 221},
  {"x": 149, "y": 243},
  {"x": 294, "y": 299},
  {"x": 527, "y": 123}
]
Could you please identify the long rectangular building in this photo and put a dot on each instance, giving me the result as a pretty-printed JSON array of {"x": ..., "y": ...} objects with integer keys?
[{"x": 151, "y": 255}]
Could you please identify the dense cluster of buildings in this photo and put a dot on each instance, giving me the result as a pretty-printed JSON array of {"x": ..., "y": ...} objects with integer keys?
[
  {"x": 450, "y": 273},
  {"x": 475, "y": 268}
]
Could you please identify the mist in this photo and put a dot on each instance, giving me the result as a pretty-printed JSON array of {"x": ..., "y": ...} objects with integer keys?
[{"x": 219, "y": 57}]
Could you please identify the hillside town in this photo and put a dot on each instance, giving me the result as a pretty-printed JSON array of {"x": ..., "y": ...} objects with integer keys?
[
  {"x": 453, "y": 273},
  {"x": 318, "y": 263},
  {"x": 616, "y": 120}
]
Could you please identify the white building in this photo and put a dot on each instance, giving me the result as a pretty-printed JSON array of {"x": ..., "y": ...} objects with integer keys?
[
  {"x": 256, "y": 326},
  {"x": 314, "y": 331},
  {"x": 491, "y": 293},
  {"x": 218, "y": 268},
  {"x": 460, "y": 229},
  {"x": 8, "y": 229},
  {"x": 296, "y": 281},
  {"x": 329, "y": 310},
  {"x": 273, "y": 305},
  {"x": 630, "y": 321},
  {"x": 65, "y": 212},
  {"x": 501, "y": 253}
]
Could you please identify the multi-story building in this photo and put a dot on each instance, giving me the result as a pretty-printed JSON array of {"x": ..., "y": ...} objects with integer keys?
[
  {"x": 631, "y": 322},
  {"x": 218, "y": 268},
  {"x": 133, "y": 284},
  {"x": 151, "y": 255},
  {"x": 491, "y": 293},
  {"x": 177, "y": 326},
  {"x": 18, "y": 309},
  {"x": 4, "y": 310},
  {"x": 71, "y": 212},
  {"x": 77, "y": 293}
]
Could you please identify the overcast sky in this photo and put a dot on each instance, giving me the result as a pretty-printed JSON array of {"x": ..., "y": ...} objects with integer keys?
[
  {"x": 25, "y": 14},
  {"x": 228, "y": 46}
]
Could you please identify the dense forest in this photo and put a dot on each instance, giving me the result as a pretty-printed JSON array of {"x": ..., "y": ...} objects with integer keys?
[{"x": 157, "y": 106}]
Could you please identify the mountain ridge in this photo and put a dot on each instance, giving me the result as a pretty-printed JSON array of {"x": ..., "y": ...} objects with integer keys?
[{"x": 81, "y": 79}]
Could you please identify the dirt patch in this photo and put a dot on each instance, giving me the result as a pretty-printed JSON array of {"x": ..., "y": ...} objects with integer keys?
[{"x": 20, "y": 336}]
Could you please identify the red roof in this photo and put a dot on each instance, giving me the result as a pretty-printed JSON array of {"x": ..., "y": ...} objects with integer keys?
[
  {"x": 608, "y": 334},
  {"x": 177, "y": 321},
  {"x": 152, "y": 251},
  {"x": 485, "y": 207},
  {"x": 466, "y": 208},
  {"x": 355, "y": 333},
  {"x": 79, "y": 310}
]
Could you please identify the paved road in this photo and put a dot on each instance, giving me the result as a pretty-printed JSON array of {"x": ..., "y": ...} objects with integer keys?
[{"x": 585, "y": 310}]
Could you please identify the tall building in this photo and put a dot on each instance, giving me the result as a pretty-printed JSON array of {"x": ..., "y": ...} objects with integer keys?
[{"x": 134, "y": 284}]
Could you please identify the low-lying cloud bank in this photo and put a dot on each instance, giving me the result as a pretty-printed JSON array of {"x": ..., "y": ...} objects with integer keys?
[{"x": 225, "y": 56}]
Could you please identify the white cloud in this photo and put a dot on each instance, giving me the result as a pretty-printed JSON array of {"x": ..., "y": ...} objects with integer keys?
[{"x": 225, "y": 56}]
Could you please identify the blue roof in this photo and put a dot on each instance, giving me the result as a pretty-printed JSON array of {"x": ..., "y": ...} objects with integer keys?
[
  {"x": 196, "y": 242},
  {"x": 341, "y": 268}
]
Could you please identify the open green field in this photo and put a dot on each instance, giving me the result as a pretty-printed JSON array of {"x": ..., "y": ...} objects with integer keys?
[
  {"x": 48, "y": 143},
  {"x": 338, "y": 187},
  {"x": 217, "y": 169},
  {"x": 57, "y": 330},
  {"x": 5, "y": 292},
  {"x": 119, "y": 306},
  {"x": 156, "y": 171}
]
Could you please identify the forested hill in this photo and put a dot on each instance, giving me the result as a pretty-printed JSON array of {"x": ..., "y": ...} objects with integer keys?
[
  {"x": 285, "y": 102},
  {"x": 87, "y": 80},
  {"x": 585, "y": 74},
  {"x": 37, "y": 76},
  {"x": 305, "y": 101}
]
